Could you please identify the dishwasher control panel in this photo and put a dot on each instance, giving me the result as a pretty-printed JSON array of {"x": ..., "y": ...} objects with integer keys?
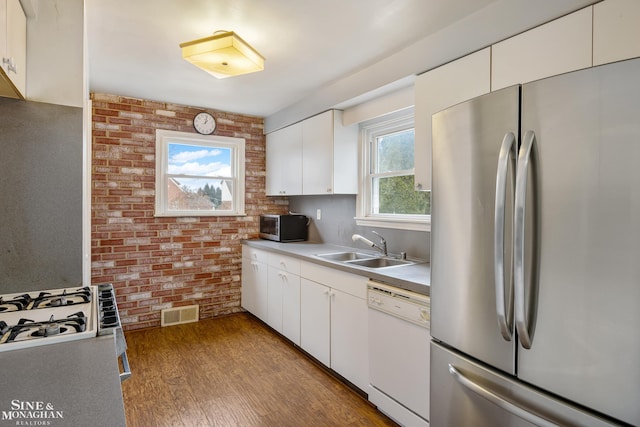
[{"x": 407, "y": 305}]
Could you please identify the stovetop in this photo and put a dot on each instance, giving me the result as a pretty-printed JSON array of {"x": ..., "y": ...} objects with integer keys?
[{"x": 32, "y": 319}]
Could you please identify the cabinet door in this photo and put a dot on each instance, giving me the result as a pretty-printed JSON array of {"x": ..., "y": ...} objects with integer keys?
[
  {"x": 438, "y": 89},
  {"x": 13, "y": 47},
  {"x": 274, "y": 298},
  {"x": 616, "y": 31},
  {"x": 314, "y": 320},
  {"x": 3, "y": 29},
  {"x": 349, "y": 338},
  {"x": 248, "y": 292},
  {"x": 317, "y": 154},
  {"x": 291, "y": 307},
  {"x": 329, "y": 155},
  {"x": 555, "y": 48},
  {"x": 254, "y": 288},
  {"x": 284, "y": 161}
]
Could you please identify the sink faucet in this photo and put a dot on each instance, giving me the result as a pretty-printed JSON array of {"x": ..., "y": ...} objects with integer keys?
[{"x": 383, "y": 243}]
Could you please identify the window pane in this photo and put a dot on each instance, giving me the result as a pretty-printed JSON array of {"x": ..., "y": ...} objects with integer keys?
[
  {"x": 396, "y": 195},
  {"x": 200, "y": 194},
  {"x": 395, "y": 151},
  {"x": 199, "y": 160}
]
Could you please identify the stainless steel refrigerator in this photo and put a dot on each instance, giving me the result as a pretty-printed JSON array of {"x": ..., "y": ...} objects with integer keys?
[{"x": 535, "y": 257}]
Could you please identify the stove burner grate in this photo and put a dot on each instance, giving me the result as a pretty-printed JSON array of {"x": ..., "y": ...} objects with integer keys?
[
  {"x": 29, "y": 329},
  {"x": 47, "y": 299},
  {"x": 15, "y": 304}
]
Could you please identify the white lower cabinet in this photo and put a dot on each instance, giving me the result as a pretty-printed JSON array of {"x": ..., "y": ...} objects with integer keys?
[
  {"x": 315, "y": 320},
  {"x": 283, "y": 306},
  {"x": 321, "y": 309},
  {"x": 333, "y": 321},
  {"x": 254, "y": 282},
  {"x": 349, "y": 338}
]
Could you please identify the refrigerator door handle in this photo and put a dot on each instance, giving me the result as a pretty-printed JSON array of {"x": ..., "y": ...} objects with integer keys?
[
  {"x": 522, "y": 167},
  {"x": 504, "y": 309},
  {"x": 493, "y": 397}
]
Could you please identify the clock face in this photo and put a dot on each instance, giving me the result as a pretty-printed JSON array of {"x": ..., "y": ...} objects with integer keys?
[{"x": 204, "y": 123}]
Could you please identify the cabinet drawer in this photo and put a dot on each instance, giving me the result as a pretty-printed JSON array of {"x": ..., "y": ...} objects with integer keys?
[
  {"x": 255, "y": 254},
  {"x": 346, "y": 282},
  {"x": 285, "y": 263}
]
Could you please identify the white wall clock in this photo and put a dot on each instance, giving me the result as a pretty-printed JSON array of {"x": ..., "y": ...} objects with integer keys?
[{"x": 204, "y": 123}]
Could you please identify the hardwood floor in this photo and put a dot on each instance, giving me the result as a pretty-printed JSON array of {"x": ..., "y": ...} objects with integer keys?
[{"x": 233, "y": 371}]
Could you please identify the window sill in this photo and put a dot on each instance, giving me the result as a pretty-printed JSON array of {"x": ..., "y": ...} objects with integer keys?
[
  {"x": 399, "y": 224},
  {"x": 197, "y": 214}
]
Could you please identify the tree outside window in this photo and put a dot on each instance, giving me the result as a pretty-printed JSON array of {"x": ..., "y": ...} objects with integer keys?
[
  {"x": 388, "y": 193},
  {"x": 198, "y": 175}
]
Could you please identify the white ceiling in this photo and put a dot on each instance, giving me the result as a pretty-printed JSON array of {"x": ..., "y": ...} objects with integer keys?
[
  {"x": 326, "y": 51},
  {"x": 134, "y": 45}
]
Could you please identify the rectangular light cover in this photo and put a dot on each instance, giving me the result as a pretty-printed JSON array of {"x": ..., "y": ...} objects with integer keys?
[{"x": 223, "y": 55}]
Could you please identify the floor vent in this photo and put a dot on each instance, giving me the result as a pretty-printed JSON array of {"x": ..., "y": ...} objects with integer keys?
[{"x": 178, "y": 315}]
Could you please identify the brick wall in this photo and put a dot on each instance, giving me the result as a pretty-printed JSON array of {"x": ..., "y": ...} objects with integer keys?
[{"x": 156, "y": 263}]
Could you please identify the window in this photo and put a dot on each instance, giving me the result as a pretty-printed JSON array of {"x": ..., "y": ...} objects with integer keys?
[
  {"x": 199, "y": 175},
  {"x": 388, "y": 197}
]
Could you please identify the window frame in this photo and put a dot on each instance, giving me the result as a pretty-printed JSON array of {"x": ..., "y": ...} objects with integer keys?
[
  {"x": 237, "y": 147},
  {"x": 369, "y": 130}
]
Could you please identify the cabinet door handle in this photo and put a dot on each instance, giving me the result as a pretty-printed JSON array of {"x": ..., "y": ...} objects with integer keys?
[{"x": 11, "y": 64}]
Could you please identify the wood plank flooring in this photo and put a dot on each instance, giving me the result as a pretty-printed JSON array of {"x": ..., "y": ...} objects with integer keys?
[{"x": 233, "y": 371}]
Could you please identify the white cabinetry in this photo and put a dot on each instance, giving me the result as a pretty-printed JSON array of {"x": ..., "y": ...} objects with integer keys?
[
  {"x": 315, "y": 320},
  {"x": 616, "y": 33},
  {"x": 283, "y": 308},
  {"x": 438, "y": 89},
  {"x": 333, "y": 321},
  {"x": 13, "y": 49},
  {"x": 254, "y": 281},
  {"x": 313, "y": 157},
  {"x": 284, "y": 161},
  {"x": 554, "y": 48},
  {"x": 329, "y": 155}
]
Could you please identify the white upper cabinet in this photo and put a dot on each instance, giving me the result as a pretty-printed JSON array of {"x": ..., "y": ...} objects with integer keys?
[
  {"x": 616, "y": 33},
  {"x": 316, "y": 156},
  {"x": 442, "y": 87},
  {"x": 13, "y": 49},
  {"x": 554, "y": 48},
  {"x": 329, "y": 155},
  {"x": 284, "y": 161}
]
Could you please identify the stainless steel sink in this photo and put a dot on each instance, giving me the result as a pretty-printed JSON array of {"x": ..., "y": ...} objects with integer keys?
[
  {"x": 379, "y": 262},
  {"x": 344, "y": 256}
]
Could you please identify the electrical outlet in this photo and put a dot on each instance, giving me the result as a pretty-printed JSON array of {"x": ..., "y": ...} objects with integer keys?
[{"x": 318, "y": 214}]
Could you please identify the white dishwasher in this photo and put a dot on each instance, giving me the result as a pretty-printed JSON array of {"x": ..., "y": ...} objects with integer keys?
[{"x": 399, "y": 338}]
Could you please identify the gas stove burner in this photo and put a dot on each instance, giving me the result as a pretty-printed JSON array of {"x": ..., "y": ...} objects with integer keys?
[
  {"x": 47, "y": 299},
  {"x": 58, "y": 301},
  {"x": 27, "y": 329},
  {"x": 49, "y": 329},
  {"x": 15, "y": 304}
]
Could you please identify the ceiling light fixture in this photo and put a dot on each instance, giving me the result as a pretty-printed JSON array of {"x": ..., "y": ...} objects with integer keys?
[{"x": 224, "y": 54}]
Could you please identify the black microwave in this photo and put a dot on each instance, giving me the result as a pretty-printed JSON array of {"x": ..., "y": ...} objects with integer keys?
[{"x": 284, "y": 228}]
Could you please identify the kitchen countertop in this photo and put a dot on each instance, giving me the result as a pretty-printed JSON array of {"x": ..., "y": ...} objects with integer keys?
[
  {"x": 413, "y": 277},
  {"x": 74, "y": 383}
]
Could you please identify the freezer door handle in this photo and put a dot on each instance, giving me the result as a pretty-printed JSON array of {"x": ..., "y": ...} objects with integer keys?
[
  {"x": 504, "y": 308},
  {"x": 524, "y": 158},
  {"x": 502, "y": 402}
]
